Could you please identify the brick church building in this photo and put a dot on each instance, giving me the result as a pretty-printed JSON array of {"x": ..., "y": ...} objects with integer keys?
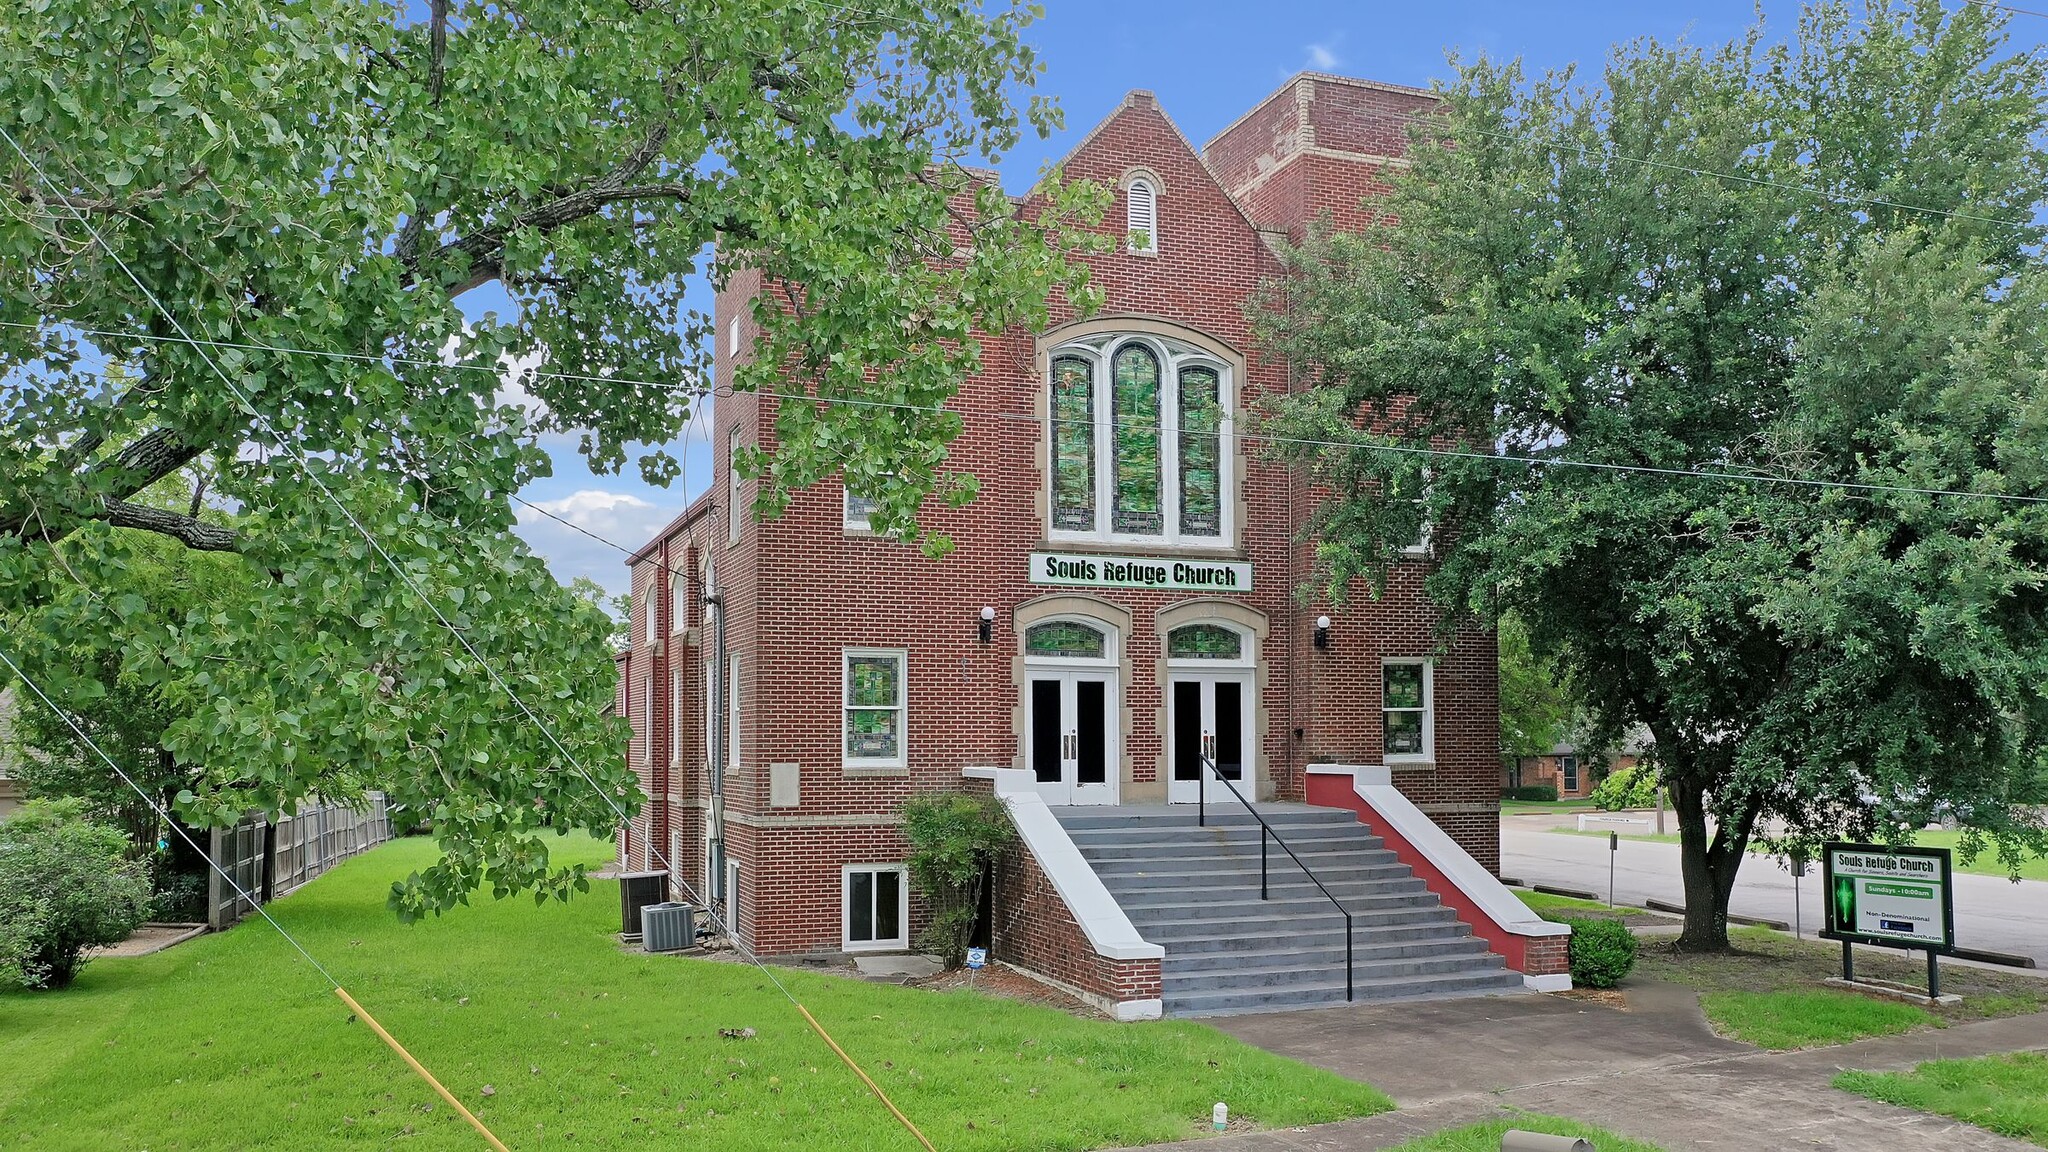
[{"x": 1122, "y": 601}]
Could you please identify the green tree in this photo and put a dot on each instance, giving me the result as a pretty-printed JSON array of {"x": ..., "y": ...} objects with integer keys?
[
  {"x": 1816, "y": 263},
  {"x": 1537, "y": 703},
  {"x": 331, "y": 177}
]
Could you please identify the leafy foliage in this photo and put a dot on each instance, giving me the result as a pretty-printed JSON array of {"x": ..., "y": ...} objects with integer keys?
[
  {"x": 1537, "y": 703},
  {"x": 1544, "y": 793},
  {"x": 66, "y": 887},
  {"x": 1631, "y": 787},
  {"x": 331, "y": 178},
  {"x": 1564, "y": 274},
  {"x": 1602, "y": 951},
  {"x": 954, "y": 841}
]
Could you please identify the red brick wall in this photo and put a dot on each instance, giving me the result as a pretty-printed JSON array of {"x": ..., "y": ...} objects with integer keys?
[
  {"x": 800, "y": 589},
  {"x": 1034, "y": 930}
]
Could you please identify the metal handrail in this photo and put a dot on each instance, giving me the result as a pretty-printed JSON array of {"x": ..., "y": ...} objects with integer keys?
[{"x": 1266, "y": 832}]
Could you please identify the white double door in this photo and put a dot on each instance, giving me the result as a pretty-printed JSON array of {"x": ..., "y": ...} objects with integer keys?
[
  {"x": 1071, "y": 737},
  {"x": 1208, "y": 715}
]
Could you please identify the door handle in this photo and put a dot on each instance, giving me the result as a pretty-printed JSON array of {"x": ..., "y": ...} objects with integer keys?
[{"x": 1209, "y": 745}]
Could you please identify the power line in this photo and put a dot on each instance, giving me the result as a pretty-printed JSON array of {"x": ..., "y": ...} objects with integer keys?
[
  {"x": 1112, "y": 425},
  {"x": 404, "y": 577},
  {"x": 2007, "y": 8}
]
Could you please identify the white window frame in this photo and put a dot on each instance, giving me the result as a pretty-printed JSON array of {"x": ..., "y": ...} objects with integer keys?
[
  {"x": 1173, "y": 356},
  {"x": 895, "y": 944},
  {"x": 1247, "y": 646},
  {"x": 647, "y": 718},
  {"x": 846, "y": 706},
  {"x": 678, "y": 602},
  {"x": 732, "y": 712},
  {"x": 848, "y": 519},
  {"x": 733, "y": 483},
  {"x": 1143, "y": 219},
  {"x": 650, "y": 607},
  {"x": 710, "y": 699},
  {"x": 1422, "y": 534},
  {"x": 1428, "y": 753},
  {"x": 1568, "y": 773},
  {"x": 732, "y": 339}
]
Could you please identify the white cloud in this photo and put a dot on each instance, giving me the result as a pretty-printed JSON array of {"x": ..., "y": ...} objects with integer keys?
[
  {"x": 621, "y": 518},
  {"x": 1322, "y": 57}
]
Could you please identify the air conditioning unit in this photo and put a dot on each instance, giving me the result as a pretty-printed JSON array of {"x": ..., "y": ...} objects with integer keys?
[
  {"x": 668, "y": 927},
  {"x": 636, "y": 891}
]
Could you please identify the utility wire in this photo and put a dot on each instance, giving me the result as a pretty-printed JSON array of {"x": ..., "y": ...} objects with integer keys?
[
  {"x": 243, "y": 894},
  {"x": 1112, "y": 425},
  {"x": 490, "y": 671}
]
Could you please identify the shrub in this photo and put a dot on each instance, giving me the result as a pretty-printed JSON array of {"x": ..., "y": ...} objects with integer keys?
[
  {"x": 1544, "y": 792},
  {"x": 954, "y": 840},
  {"x": 1602, "y": 952},
  {"x": 1629, "y": 788},
  {"x": 66, "y": 887}
]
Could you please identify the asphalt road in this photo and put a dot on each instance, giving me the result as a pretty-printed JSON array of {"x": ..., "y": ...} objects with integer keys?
[{"x": 1991, "y": 913}]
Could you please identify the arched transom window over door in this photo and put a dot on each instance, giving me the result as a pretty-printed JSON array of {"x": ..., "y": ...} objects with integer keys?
[{"x": 1140, "y": 434}]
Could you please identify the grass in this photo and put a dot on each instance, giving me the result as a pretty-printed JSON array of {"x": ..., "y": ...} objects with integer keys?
[
  {"x": 2007, "y": 1094},
  {"x": 1553, "y": 907},
  {"x": 1766, "y": 991},
  {"x": 1815, "y": 1018},
  {"x": 1986, "y": 863},
  {"x": 1486, "y": 1137},
  {"x": 232, "y": 1041}
]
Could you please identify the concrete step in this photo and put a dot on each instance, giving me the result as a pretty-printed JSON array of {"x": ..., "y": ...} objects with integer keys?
[
  {"x": 1326, "y": 993},
  {"x": 1291, "y": 884},
  {"x": 1193, "y": 868},
  {"x": 1245, "y": 904},
  {"x": 1180, "y": 816},
  {"x": 1470, "y": 947},
  {"x": 1188, "y": 939},
  {"x": 1279, "y": 924},
  {"x": 1281, "y": 972}
]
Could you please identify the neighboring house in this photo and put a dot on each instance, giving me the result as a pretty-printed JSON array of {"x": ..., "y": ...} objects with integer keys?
[
  {"x": 10, "y": 788},
  {"x": 1120, "y": 603},
  {"x": 1573, "y": 772}
]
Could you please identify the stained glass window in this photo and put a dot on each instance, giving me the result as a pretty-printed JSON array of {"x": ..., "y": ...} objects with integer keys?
[
  {"x": 1066, "y": 638},
  {"x": 874, "y": 707},
  {"x": 1073, "y": 445},
  {"x": 1201, "y": 452},
  {"x": 1134, "y": 405},
  {"x": 1204, "y": 642},
  {"x": 1404, "y": 708}
]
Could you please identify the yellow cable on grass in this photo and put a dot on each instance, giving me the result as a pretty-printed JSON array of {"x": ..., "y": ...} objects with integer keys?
[
  {"x": 872, "y": 1086},
  {"x": 450, "y": 1096}
]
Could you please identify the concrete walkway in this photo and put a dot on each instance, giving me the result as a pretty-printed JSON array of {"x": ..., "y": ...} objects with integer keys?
[{"x": 1655, "y": 1073}]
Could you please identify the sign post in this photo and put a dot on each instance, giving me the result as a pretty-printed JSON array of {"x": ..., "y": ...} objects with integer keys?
[
  {"x": 1798, "y": 866},
  {"x": 1897, "y": 897},
  {"x": 1613, "y": 846}
]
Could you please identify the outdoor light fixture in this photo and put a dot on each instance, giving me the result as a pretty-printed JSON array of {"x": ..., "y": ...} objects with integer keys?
[
  {"x": 988, "y": 624},
  {"x": 1322, "y": 631}
]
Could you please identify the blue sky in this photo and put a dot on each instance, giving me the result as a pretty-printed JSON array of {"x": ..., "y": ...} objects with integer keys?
[{"x": 1208, "y": 62}]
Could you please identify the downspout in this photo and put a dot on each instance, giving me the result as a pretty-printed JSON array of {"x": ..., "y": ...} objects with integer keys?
[{"x": 715, "y": 851}]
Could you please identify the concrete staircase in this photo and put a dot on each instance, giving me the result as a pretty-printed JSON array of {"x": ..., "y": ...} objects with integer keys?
[{"x": 1195, "y": 892}]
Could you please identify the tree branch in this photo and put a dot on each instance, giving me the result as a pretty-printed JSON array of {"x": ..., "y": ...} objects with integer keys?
[{"x": 191, "y": 532}]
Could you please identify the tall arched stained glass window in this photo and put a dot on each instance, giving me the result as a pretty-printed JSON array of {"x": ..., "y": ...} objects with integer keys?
[
  {"x": 1201, "y": 451},
  {"x": 1073, "y": 445},
  {"x": 1134, "y": 408}
]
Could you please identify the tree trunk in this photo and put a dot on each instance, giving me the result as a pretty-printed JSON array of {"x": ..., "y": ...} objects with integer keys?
[{"x": 1708, "y": 867}]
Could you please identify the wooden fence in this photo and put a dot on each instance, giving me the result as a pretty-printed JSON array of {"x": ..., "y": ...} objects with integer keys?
[{"x": 269, "y": 860}]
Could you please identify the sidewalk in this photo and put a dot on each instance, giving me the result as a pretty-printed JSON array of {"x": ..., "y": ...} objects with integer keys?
[{"x": 1655, "y": 1073}]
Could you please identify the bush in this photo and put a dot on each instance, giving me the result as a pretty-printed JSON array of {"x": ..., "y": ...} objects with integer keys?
[
  {"x": 1629, "y": 788},
  {"x": 66, "y": 887},
  {"x": 179, "y": 897},
  {"x": 1544, "y": 792},
  {"x": 954, "y": 840},
  {"x": 1602, "y": 952}
]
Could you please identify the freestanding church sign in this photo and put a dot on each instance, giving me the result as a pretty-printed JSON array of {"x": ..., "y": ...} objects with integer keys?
[{"x": 1086, "y": 569}]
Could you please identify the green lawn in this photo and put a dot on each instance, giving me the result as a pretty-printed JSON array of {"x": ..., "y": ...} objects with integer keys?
[
  {"x": 234, "y": 1042},
  {"x": 1486, "y": 1137},
  {"x": 1986, "y": 864},
  {"x": 1768, "y": 992},
  {"x": 2007, "y": 1094},
  {"x": 1815, "y": 1018},
  {"x": 1525, "y": 807},
  {"x": 1553, "y": 907}
]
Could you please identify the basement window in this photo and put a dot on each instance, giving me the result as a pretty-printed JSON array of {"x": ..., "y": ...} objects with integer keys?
[{"x": 876, "y": 910}]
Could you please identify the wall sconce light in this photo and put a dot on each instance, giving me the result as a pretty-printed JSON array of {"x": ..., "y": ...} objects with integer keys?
[
  {"x": 988, "y": 624},
  {"x": 1322, "y": 631}
]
